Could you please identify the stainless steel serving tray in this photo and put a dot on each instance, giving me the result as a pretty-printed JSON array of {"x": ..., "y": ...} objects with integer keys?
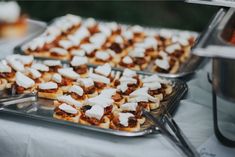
[
  {"x": 189, "y": 67},
  {"x": 43, "y": 110}
]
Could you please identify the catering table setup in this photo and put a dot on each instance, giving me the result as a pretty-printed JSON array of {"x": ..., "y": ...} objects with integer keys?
[{"x": 85, "y": 87}]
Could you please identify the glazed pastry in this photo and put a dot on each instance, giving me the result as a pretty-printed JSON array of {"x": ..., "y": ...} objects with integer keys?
[
  {"x": 105, "y": 70},
  {"x": 128, "y": 62},
  {"x": 35, "y": 75},
  {"x": 68, "y": 78},
  {"x": 101, "y": 82},
  {"x": 139, "y": 57},
  {"x": 43, "y": 69},
  {"x": 158, "y": 87},
  {"x": 67, "y": 112},
  {"x": 166, "y": 64},
  {"x": 23, "y": 84},
  {"x": 102, "y": 57},
  {"x": 94, "y": 115},
  {"x": 49, "y": 90},
  {"x": 77, "y": 93},
  {"x": 88, "y": 86},
  {"x": 79, "y": 65},
  {"x": 68, "y": 100},
  {"x": 125, "y": 122},
  {"x": 7, "y": 73}
]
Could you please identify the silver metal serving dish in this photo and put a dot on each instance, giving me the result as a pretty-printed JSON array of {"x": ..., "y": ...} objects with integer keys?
[
  {"x": 217, "y": 39},
  {"x": 216, "y": 44},
  {"x": 42, "y": 110},
  {"x": 189, "y": 67}
]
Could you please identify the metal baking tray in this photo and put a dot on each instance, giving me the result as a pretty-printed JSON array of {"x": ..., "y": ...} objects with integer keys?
[
  {"x": 34, "y": 28},
  {"x": 187, "y": 68},
  {"x": 43, "y": 110}
]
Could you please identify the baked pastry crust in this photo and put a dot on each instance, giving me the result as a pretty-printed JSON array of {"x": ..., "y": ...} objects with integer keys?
[{"x": 50, "y": 95}]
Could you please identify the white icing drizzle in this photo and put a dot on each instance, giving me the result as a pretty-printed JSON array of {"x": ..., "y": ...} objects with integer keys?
[
  {"x": 96, "y": 112},
  {"x": 98, "y": 39},
  {"x": 86, "y": 82},
  {"x": 4, "y": 68},
  {"x": 88, "y": 48},
  {"x": 172, "y": 48},
  {"x": 137, "y": 52},
  {"x": 69, "y": 100},
  {"x": 24, "y": 81},
  {"x": 76, "y": 89},
  {"x": 65, "y": 44},
  {"x": 59, "y": 51},
  {"x": 101, "y": 100},
  {"x": 52, "y": 63},
  {"x": 162, "y": 63},
  {"x": 124, "y": 118},
  {"x": 48, "y": 85},
  {"x": 99, "y": 78},
  {"x": 102, "y": 55},
  {"x": 69, "y": 73},
  {"x": 57, "y": 78},
  {"x": 127, "y": 60},
  {"x": 129, "y": 106},
  {"x": 77, "y": 61},
  {"x": 68, "y": 108},
  {"x": 40, "y": 67},
  {"x": 35, "y": 73},
  {"x": 129, "y": 73},
  {"x": 165, "y": 33},
  {"x": 80, "y": 53},
  {"x": 104, "y": 69}
]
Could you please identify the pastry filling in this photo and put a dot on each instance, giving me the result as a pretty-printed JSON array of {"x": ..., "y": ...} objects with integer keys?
[
  {"x": 132, "y": 122},
  {"x": 89, "y": 90},
  {"x": 82, "y": 69},
  {"x": 78, "y": 97},
  {"x": 48, "y": 90},
  {"x": 117, "y": 97}
]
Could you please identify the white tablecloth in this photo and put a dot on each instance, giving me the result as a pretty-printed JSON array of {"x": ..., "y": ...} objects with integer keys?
[{"x": 23, "y": 138}]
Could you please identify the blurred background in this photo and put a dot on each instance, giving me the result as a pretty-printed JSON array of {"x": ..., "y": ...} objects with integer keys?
[{"x": 171, "y": 14}]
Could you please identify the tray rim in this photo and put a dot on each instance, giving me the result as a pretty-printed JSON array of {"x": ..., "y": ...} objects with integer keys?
[
  {"x": 173, "y": 101},
  {"x": 180, "y": 74}
]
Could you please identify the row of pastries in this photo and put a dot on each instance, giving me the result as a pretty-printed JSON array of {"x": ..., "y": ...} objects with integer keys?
[
  {"x": 132, "y": 47},
  {"x": 93, "y": 96}
]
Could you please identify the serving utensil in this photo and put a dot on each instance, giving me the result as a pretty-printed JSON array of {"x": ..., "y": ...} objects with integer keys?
[
  {"x": 16, "y": 99},
  {"x": 177, "y": 138}
]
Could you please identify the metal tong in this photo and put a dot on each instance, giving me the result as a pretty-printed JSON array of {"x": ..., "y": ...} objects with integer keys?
[
  {"x": 177, "y": 138},
  {"x": 15, "y": 99}
]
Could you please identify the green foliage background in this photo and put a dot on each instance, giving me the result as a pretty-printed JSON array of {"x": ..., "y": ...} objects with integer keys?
[{"x": 172, "y": 14}]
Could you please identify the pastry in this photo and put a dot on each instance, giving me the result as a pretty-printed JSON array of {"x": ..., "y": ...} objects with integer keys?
[
  {"x": 49, "y": 90},
  {"x": 12, "y": 23},
  {"x": 125, "y": 122},
  {"x": 79, "y": 65},
  {"x": 94, "y": 116},
  {"x": 67, "y": 112}
]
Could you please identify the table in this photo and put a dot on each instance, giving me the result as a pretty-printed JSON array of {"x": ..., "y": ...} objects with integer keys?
[{"x": 20, "y": 137}]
